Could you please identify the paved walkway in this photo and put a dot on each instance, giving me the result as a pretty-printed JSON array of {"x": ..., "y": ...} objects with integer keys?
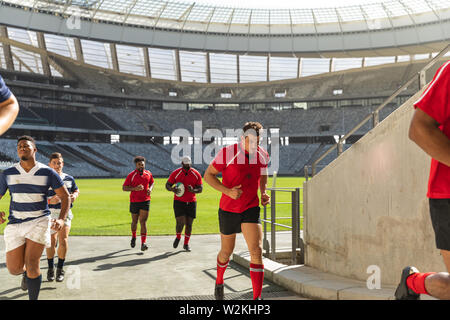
[
  {"x": 100, "y": 268},
  {"x": 106, "y": 268}
]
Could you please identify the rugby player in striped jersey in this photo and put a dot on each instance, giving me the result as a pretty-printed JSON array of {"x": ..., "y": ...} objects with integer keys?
[
  {"x": 56, "y": 162},
  {"x": 28, "y": 229}
]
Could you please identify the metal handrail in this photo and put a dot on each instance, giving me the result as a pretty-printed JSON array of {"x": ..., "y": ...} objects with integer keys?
[
  {"x": 295, "y": 227},
  {"x": 374, "y": 114}
]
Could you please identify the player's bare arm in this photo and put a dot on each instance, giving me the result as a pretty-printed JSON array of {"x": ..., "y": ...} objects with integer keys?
[
  {"x": 150, "y": 188},
  {"x": 129, "y": 188},
  {"x": 9, "y": 110},
  {"x": 211, "y": 178},
  {"x": 171, "y": 188},
  {"x": 63, "y": 194},
  {"x": 196, "y": 189},
  {"x": 265, "y": 198},
  {"x": 74, "y": 196},
  {"x": 425, "y": 132},
  {"x": 2, "y": 214}
]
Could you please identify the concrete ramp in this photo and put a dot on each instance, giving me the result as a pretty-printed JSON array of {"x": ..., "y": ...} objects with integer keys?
[{"x": 369, "y": 207}]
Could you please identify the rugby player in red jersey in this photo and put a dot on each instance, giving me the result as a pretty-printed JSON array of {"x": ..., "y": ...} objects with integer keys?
[
  {"x": 244, "y": 170},
  {"x": 185, "y": 206},
  {"x": 430, "y": 130},
  {"x": 140, "y": 183}
]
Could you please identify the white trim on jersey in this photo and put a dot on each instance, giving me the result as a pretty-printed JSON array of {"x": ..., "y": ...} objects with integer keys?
[
  {"x": 196, "y": 175},
  {"x": 14, "y": 179},
  {"x": 178, "y": 174},
  {"x": 26, "y": 214},
  {"x": 134, "y": 175},
  {"x": 233, "y": 158},
  {"x": 433, "y": 82},
  {"x": 27, "y": 197},
  {"x": 262, "y": 156}
]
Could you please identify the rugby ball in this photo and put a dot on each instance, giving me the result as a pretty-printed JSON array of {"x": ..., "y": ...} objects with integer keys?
[{"x": 180, "y": 187}]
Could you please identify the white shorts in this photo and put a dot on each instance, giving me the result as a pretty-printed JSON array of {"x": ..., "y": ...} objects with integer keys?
[
  {"x": 55, "y": 215},
  {"x": 37, "y": 230}
]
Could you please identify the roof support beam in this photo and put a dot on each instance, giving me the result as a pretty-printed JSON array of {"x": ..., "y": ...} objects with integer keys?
[
  {"x": 44, "y": 58},
  {"x": 208, "y": 68},
  {"x": 148, "y": 70},
  {"x": 114, "y": 59},
  {"x": 78, "y": 49},
  {"x": 178, "y": 64},
  {"x": 7, "y": 49}
]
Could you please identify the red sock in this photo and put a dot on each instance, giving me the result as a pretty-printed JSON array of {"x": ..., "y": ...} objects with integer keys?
[
  {"x": 416, "y": 282},
  {"x": 186, "y": 238},
  {"x": 257, "y": 276},
  {"x": 143, "y": 237},
  {"x": 221, "y": 267},
  {"x": 179, "y": 236},
  {"x": 133, "y": 233}
]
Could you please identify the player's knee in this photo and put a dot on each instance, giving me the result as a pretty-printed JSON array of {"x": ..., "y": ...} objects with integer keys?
[
  {"x": 256, "y": 251},
  {"x": 225, "y": 254},
  {"x": 64, "y": 243},
  {"x": 33, "y": 270},
  {"x": 15, "y": 270}
]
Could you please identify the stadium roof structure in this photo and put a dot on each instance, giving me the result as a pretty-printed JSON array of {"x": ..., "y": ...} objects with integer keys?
[{"x": 381, "y": 28}]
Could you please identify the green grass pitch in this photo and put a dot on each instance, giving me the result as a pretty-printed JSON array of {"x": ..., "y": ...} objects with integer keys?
[{"x": 103, "y": 208}]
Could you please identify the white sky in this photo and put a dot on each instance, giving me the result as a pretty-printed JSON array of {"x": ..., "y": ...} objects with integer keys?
[{"x": 286, "y": 4}]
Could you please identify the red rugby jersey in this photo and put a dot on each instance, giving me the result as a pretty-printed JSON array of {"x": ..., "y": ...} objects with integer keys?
[
  {"x": 189, "y": 177},
  {"x": 240, "y": 168},
  {"x": 134, "y": 179},
  {"x": 435, "y": 101}
]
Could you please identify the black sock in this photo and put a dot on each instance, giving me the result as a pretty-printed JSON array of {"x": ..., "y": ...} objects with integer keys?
[
  {"x": 34, "y": 286},
  {"x": 51, "y": 263},
  {"x": 60, "y": 263}
]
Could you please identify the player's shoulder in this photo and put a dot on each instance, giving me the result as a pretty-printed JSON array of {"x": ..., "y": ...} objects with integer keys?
[
  {"x": 196, "y": 173},
  {"x": 446, "y": 67},
  {"x": 148, "y": 172},
  {"x": 263, "y": 154},
  {"x": 44, "y": 170},
  {"x": 230, "y": 150},
  {"x": 11, "y": 170},
  {"x": 131, "y": 173},
  {"x": 177, "y": 170},
  {"x": 263, "y": 151},
  {"x": 443, "y": 72},
  {"x": 67, "y": 177}
]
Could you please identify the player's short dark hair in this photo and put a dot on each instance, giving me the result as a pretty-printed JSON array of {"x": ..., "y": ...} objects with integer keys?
[
  {"x": 252, "y": 125},
  {"x": 27, "y": 138},
  {"x": 55, "y": 155},
  {"x": 138, "y": 159}
]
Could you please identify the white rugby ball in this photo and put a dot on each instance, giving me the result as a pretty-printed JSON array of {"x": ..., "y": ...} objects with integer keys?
[{"x": 180, "y": 187}]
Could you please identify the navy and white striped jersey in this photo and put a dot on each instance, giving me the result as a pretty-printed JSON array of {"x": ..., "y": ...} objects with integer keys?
[
  {"x": 29, "y": 191},
  {"x": 5, "y": 93},
  {"x": 71, "y": 186}
]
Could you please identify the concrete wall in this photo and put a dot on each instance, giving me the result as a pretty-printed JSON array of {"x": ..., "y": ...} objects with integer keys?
[{"x": 369, "y": 206}]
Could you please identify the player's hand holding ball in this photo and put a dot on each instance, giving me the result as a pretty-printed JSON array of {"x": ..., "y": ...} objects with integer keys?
[
  {"x": 139, "y": 188},
  {"x": 2, "y": 217},
  {"x": 265, "y": 199}
]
